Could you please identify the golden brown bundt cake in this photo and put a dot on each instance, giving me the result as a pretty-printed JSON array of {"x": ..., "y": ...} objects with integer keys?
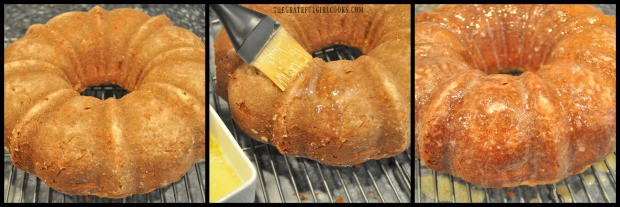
[
  {"x": 118, "y": 147},
  {"x": 495, "y": 130},
  {"x": 341, "y": 112}
]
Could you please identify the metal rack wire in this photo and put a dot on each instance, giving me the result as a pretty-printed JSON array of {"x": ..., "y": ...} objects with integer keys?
[
  {"x": 290, "y": 179},
  {"x": 595, "y": 185}
]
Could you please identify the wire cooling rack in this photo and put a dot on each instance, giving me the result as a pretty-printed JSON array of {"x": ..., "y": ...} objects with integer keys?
[{"x": 595, "y": 185}]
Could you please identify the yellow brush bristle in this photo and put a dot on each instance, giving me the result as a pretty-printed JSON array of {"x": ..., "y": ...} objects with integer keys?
[{"x": 281, "y": 59}]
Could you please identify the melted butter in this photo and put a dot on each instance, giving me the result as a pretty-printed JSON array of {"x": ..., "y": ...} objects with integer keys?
[
  {"x": 589, "y": 180},
  {"x": 282, "y": 58},
  {"x": 611, "y": 160},
  {"x": 600, "y": 166},
  {"x": 223, "y": 178},
  {"x": 563, "y": 191}
]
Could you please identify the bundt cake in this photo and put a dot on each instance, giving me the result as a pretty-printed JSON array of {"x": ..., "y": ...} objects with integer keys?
[
  {"x": 553, "y": 118},
  {"x": 118, "y": 147},
  {"x": 339, "y": 113}
]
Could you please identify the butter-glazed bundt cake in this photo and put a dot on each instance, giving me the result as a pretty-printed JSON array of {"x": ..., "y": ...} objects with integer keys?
[
  {"x": 339, "y": 113},
  {"x": 554, "y": 119},
  {"x": 115, "y": 147}
]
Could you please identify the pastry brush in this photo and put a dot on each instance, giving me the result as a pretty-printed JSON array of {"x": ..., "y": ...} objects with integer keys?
[{"x": 262, "y": 42}]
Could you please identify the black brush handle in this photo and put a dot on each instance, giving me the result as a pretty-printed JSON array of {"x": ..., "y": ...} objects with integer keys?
[{"x": 247, "y": 29}]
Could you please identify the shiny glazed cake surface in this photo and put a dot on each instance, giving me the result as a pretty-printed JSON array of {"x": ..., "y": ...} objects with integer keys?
[{"x": 555, "y": 118}]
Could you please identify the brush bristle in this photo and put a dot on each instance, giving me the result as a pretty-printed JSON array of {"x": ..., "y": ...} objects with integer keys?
[{"x": 281, "y": 59}]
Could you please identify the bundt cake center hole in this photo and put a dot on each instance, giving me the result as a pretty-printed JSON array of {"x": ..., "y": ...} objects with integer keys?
[
  {"x": 337, "y": 52},
  {"x": 105, "y": 91},
  {"x": 514, "y": 71}
]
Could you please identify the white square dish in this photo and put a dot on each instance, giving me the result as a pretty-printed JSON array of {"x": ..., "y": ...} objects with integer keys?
[{"x": 239, "y": 161}]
